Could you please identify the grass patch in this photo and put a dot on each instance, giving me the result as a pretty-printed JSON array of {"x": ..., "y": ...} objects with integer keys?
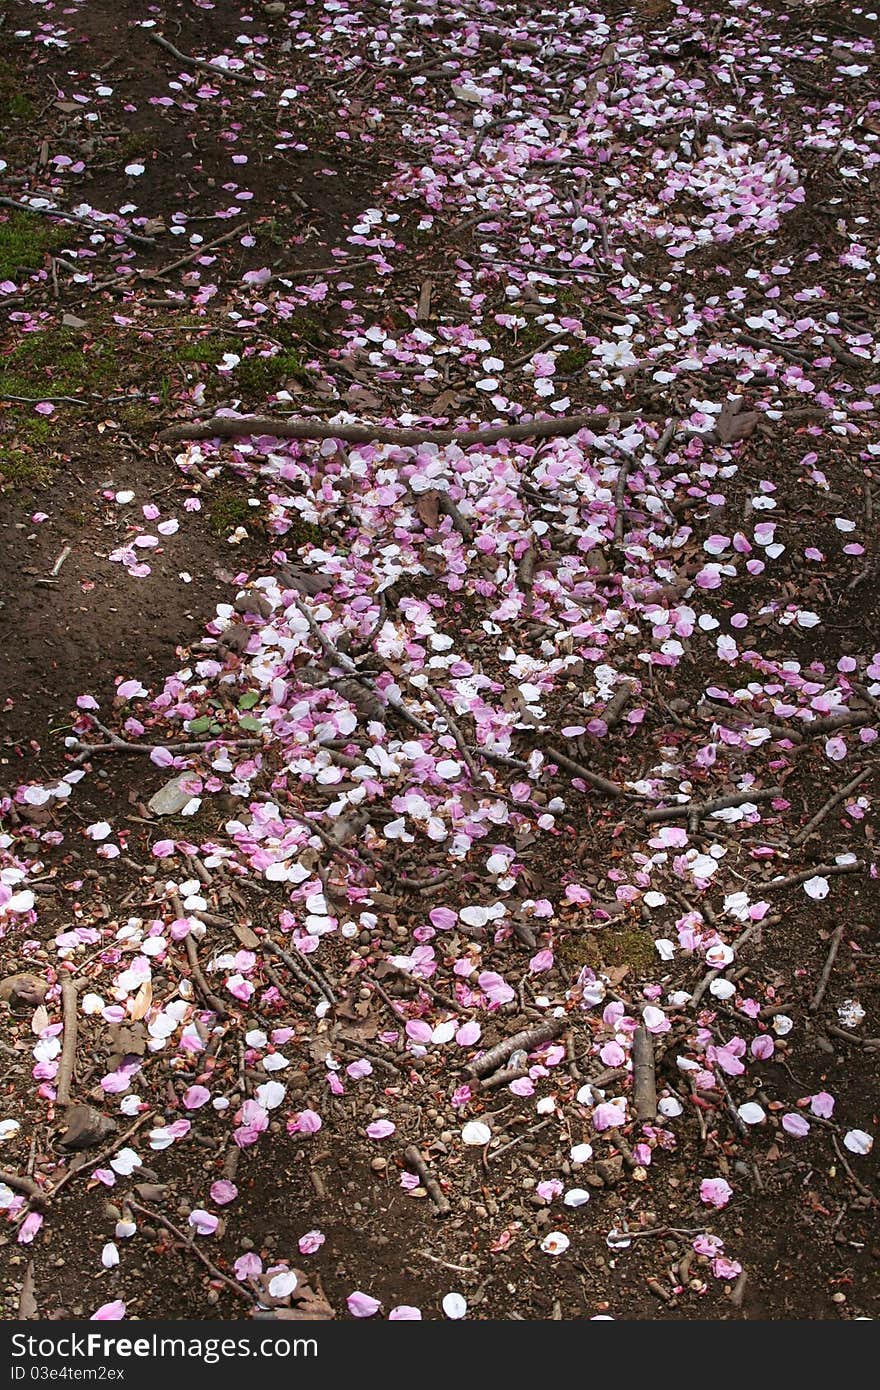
[
  {"x": 574, "y": 360},
  {"x": 14, "y": 104},
  {"x": 254, "y": 376},
  {"x": 24, "y": 241},
  {"x": 60, "y": 360}
]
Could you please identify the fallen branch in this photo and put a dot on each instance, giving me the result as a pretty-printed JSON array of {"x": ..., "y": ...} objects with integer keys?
[
  {"x": 416, "y": 1162},
  {"x": 828, "y": 967},
  {"x": 856, "y": 1182},
  {"x": 829, "y": 805},
  {"x": 242, "y": 426},
  {"x": 85, "y": 750},
  {"x": 201, "y": 64},
  {"x": 593, "y": 779},
  {"x": 705, "y": 808},
  {"x": 644, "y": 1079},
  {"x": 819, "y": 871},
  {"x": 311, "y": 980},
  {"x": 69, "y": 1000},
  {"x": 79, "y": 221},
  {"x": 30, "y": 1188},
  {"x": 436, "y": 994},
  {"x": 525, "y": 1041},
  {"x": 191, "y": 1247}
]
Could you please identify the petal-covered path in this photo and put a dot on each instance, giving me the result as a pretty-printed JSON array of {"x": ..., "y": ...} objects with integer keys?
[{"x": 477, "y": 914}]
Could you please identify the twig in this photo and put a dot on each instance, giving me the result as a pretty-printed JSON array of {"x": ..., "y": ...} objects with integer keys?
[
  {"x": 828, "y": 967},
  {"x": 56, "y": 568},
  {"x": 436, "y": 994},
  {"x": 310, "y": 981},
  {"x": 201, "y": 63},
  {"x": 526, "y": 1134},
  {"x": 416, "y": 1162},
  {"x": 644, "y": 1079},
  {"x": 190, "y": 1246},
  {"x": 820, "y": 871},
  {"x": 242, "y": 426},
  {"x": 619, "y": 491},
  {"x": 829, "y": 805},
  {"x": 525, "y": 1041},
  {"x": 856, "y": 1182},
  {"x": 705, "y": 808},
  {"x": 78, "y": 220},
  {"x": 119, "y": 1141},
  {"x": 618, "y": 703},
  {"x": 591, "y": 778},
  {"x": 740, "y": 941},
  {"x": 69, "y": 1002},
  {"x": 30, "y": 1188},
  {"x": 118, "y": 745},
  {"x": 442, "y": 707}
]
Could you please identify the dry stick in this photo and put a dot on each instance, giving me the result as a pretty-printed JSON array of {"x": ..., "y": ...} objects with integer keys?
[
  {"x": 527, "y": 1134},
  {"x": 56, "y": 568},
  {"x": 241, "y": 426},
  {"x": 830, "y": 804},
  {"x": 871, "y": 1044},
  {"x": 69, "y": 1000},
  {"x": 827, "y": 969},
  {"x": 26, "y": 1185},
  {"x": 435, "y": 994},
  {"x": 644, "y": 1079},
  {"x": 119, "y": 1141},
  {"x": 525, "y": 1041},
  {"x": 819, "y": 871},
  {"x": 340, "y": 659},
  {"x": 62, "y": 216},
  {"x": 189, "y": 946},
  {"x": 123, "y": 282},
  {"x": 617, "y": 704},
  {"x": 622, "y": 475},
  {"x": 705, "y": 808},
  {"x": 442, "y": 707},
  {"x": 741, "y": 940},
  {"x": 85, "y": 750},
  {"x": 190, "y": 1245},
  {"x": 307, "y": 975},
  {"x": 201, "y": 63},
  {"x": 592, "y": 778},
  {"x": 856, "y": 1182},
  {"x": 416, "y": 1162}
]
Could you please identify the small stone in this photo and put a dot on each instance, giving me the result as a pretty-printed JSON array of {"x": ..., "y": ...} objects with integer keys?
[
  {"x": 23, "y": 991},
  {"x": 171, "y": 799}
]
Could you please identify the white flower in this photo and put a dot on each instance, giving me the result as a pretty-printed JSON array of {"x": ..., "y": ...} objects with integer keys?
[
  {"x": 858, "y": 1142},
  {"x": 476, "y": 1133},
  {"x": 555, "y": 1243},
  {"x": 454, "y": 1305}
]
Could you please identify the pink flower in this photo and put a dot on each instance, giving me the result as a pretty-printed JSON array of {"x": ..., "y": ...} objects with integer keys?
[
  {"x": 29, "y": 1227},
  {"x": 311, "y": 1242},
  {"x": 795, "y": 1125},
  {"x": 223, "y": 1192},
  {"x": 361, "y": 1305},
  {"x": 306, "y": 1122},
  {"x": 109, "y": 1312},
  {"x": 715, "y": 1192},
  {"x": 248, "y": 1266},
  {"x": 723, "y": 1268},
  {"x": 204, "y": 1223},
  {"x": 380, "y": 1129},
  {"x": 541, "y": 962},
  {"x": 404, "y": 1313},
  {"x": 196, "y": 1097},
  {"x": 822, "y": 1104}
]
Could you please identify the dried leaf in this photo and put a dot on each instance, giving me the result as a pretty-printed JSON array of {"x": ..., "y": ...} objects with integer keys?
[
  {"x": 142, "y": 1001},
  {"x": 428, "y": 508}
]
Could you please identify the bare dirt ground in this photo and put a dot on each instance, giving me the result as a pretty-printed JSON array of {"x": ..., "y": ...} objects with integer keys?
[{"x": 394, "y": 672}]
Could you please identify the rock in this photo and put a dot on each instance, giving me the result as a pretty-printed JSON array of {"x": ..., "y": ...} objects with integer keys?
[
  {"x": 151, "y": 1192},
  {"x": 610, "y": 1169},
  {"x": 86, "y": 1128},
  {"x": 23, "y": 991},
  {"x": 275, "y": 9},
  {"x": 171, "y": 799}
]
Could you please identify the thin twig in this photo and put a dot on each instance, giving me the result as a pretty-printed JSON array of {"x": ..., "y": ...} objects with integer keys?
[
  {"x": 69, "y": 1004},
  {"x": 828, "y": 967},
  {"x": 829, "y": 805},
  {"x": 190, "y": 1246},
  {"x": 416, "y": 1162},
  {"x": 200, "y": 63}
]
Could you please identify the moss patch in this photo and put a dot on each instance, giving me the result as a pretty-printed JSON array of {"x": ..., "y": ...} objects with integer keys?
[
  {"x": 229, "y": 509},
  {"x": 25, "y": 239},
  {"x": 14, "y": 104},
  {"x": 608, "y": 946}
]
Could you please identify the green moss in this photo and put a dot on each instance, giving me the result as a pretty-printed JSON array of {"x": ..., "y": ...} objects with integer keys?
[
  {"x": 574, "y": 360},
  {"x": 58, "y": 359},
  {"x": 258, "y": 375},
  {"x": 25, "y": 239},
  {"x": 228, "y": 510},
  {"x": 19, "y": 468},
  {"x": 14, "y": 104},
  {"x": 607, "y": 947}
]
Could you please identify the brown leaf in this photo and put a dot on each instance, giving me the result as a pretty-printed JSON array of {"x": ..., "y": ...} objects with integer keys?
[
  {"x": 428, "y": 508},
  {"x": 86, "y": 1128},
  {"x": 248, "y": 939},
  {"x": 733, "y": 424}
]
